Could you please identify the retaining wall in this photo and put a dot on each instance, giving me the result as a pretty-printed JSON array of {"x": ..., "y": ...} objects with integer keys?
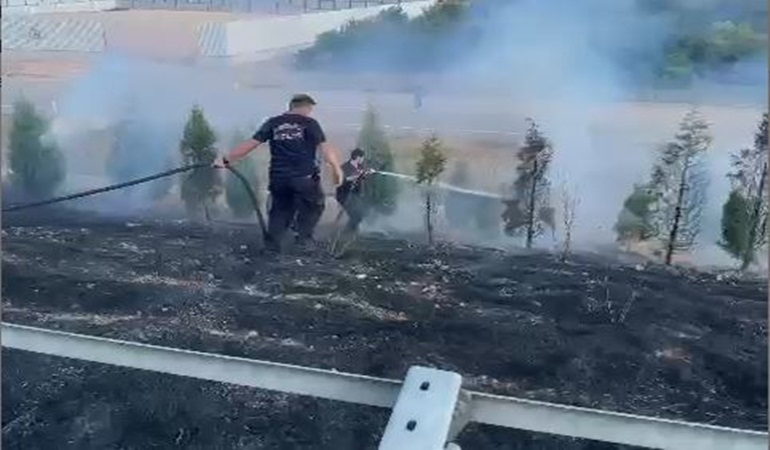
[
  {"x": 212, "y": 39},
  {"x": 23, "y": 7},
  {"x": 234, "y": 6},
  {"x": 25, "y": 32},
  {"x": 261, "y": 38}
]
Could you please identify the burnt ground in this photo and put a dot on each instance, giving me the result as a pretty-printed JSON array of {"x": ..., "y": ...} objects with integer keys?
[{"x": 591, "y": 332}]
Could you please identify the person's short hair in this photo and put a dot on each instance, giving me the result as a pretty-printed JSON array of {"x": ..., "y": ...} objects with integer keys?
[
  {"x": 301, "y": 100},
  {"x": 356, "y": 153}
]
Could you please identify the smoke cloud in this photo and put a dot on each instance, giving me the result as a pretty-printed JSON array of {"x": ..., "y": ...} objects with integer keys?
[
  {"x": 136, "y": 109},
  {"x": 580, "y": 69}
]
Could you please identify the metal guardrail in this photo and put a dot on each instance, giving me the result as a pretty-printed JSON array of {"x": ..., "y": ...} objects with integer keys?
[{"x": 471, "y": 406}]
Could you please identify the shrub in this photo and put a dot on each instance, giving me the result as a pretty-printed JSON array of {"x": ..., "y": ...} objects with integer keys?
[{"x": 37, "y": 166}]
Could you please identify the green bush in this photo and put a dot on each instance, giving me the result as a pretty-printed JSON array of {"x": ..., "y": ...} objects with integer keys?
[
  {"x": 333, "y": 47},
  {"x": 735, "y": 225},
  {"x": 390, "y": 33},
  {"x": 635, "y": 219},
  {"x": 718, "y": 46},
  {"x": 37, "y": 166},
  {"x": 702, "y": 38}
]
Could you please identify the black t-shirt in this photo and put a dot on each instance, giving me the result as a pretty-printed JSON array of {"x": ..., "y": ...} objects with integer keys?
[
  {"x": 349, "y": 186},
  {"x": 293, "y": 140}
]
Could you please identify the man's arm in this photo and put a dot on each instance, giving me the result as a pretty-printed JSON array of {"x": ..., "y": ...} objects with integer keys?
[
  {"x": 240, "y": 150},
  {"x": 330, "y": 155},
  {"x": 332, "y": 159},
  {"x": 245, "y": 147}
]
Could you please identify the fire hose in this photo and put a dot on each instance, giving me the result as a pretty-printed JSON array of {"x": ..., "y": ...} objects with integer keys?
[{"x": 168, "y": 173}]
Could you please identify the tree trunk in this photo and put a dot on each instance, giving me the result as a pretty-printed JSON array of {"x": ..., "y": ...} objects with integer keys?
[
  {"x": 428, "y": 217},
  {"x": 531, "y": 207},
  {"x": 748, "y": 254},
  {"x": 567, "y": 242},
  {"x": 673, "y": 234}
]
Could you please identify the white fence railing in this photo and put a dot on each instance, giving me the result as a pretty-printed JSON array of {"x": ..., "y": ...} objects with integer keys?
[
  {"x": 234, "y": 6},
  {"x": 428, "y": 397}
]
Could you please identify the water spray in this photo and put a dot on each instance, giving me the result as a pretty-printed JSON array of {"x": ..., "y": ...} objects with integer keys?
[{"x": 445, "y": 186}]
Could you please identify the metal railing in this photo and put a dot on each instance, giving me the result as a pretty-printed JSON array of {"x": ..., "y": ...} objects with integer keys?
[
  {"x": 238, "y": 6},
  {"x": 414, "y": 399},
  {"x": 7, "y": 3}
]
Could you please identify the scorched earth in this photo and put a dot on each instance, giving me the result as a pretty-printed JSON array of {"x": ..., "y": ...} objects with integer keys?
[{"x": 591, "y": 332}]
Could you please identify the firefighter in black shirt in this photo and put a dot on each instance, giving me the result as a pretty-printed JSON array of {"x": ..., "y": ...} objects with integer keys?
[
  {"x": 349, "y": 192},
  {"x": 295, "y": 182}
]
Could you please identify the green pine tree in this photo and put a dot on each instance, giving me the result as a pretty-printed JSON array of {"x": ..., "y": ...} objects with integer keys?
[
  {"x": 679, "y": 184},
  {"x": 236, "y": 195},
  {"x": 200, "y": 187},
  {"x": 380, "y": 192},
  {"x": 744, "y": 215},
  {"x": 430, "y": 166},
  {"x": 530, "y": 209},
  {"x": 735, "y": 225},
  {"x": 37, "y": 166}
]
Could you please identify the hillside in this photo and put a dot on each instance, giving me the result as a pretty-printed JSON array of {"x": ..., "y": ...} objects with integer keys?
[
  {"x": 592, "y": 332},
  {"x": 648, "y": 42}
]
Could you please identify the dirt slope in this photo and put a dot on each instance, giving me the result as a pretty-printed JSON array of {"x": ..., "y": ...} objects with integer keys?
[{"x": 590, "y": 333}]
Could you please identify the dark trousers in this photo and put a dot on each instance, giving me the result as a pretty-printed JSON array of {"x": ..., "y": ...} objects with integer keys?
[
  {"x": 301, "y": 197},
  {"x": 354, "y": 207}
]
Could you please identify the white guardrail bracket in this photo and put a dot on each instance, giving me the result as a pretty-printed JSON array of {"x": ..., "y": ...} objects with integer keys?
[
  {"x": 430, "y": 408},
  {"x": 422, "y": 416}
]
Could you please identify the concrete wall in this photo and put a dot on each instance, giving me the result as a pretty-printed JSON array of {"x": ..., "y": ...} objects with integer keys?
[
  {"x": 234, "y": 6},
  {"x": 260, "y": 38},
  {"x": 16, "y": 7},
  {"x": 212, "y": 39},
  {"x": 25, "y": 32}
]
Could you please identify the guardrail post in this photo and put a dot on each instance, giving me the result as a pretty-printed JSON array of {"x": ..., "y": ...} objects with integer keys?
[{"x": 422, "y": 416}]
